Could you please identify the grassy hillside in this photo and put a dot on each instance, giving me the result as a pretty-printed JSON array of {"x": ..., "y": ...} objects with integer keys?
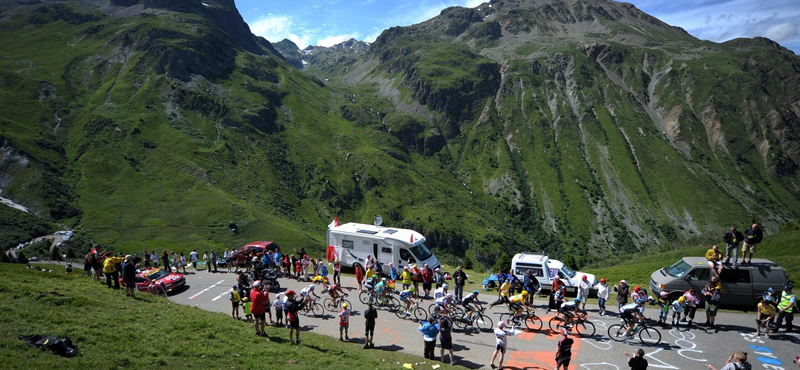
[{"x": 112, "y": 331}]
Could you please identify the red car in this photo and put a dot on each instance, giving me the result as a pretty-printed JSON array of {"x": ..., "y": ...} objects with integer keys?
[
  {"x": 171, "y": 280},
  {"x": 258, "y": 247}
]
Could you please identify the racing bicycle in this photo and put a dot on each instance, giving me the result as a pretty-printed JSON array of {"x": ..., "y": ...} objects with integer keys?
[{"x": 646, "y": 334}]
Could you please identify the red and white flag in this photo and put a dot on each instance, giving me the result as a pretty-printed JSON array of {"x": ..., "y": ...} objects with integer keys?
[{"x": 334, "y": 223}]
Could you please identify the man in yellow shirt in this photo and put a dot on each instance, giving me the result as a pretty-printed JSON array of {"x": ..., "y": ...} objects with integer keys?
[
  {"x": 110, "y": 270},
  {"x": 503, "y": 294},
  {"x": 714, "y": 257}
]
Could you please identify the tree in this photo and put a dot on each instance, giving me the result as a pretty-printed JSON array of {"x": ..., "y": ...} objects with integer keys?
[
  {"x": 5, "y": 258},
  {"x": 55, "y": 255},
  {"x": 21, "y": 257},
  {"x": 468, "y": 264},
  {"x": 503, "y": 263}
]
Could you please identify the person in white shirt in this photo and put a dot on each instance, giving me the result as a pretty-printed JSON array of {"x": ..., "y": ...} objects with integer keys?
[
  {"x": 501, "y": 342},
  {"x": 602, "y": 295}
]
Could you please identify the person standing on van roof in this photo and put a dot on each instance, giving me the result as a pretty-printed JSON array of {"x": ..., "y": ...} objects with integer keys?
[
  {"x": 732, "y": 238},
  {"x": 786, "y": 309},
  {"x": 752, "y": 236},
  {"x": 623, "y": 291},
  {"x": 714, "y": 256}
]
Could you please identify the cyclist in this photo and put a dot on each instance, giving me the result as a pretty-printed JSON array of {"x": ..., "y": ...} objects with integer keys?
[
  {"x": 569, "y": 309},
  {"x": 380, "y": 288},
  {"x": 405, "y": 296},
  {"x": 632, "y": 313},
  {"x": 307, "y": 292},
  {"x": 443, "y": 303},
  {"x": 440, "y": 292},
  {"x": 334, "y": 290},
  {"x": 471, "y": 303},
  {"x": 517, "y": 302}
]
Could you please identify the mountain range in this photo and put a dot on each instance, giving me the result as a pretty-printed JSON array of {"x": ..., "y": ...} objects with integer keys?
[{"x": 586, "y": 129}]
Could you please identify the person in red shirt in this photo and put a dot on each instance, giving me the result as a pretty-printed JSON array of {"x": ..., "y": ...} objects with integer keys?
[
  {"x": 427, "y": 280},
  {"x": 359, "y": 276},
  {"x": 257, "y": 299}
]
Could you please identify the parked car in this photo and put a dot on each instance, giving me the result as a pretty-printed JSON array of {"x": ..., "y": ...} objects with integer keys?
[
  {"x": 259, "y": 248},
  {"x": 171, "y": 280}
]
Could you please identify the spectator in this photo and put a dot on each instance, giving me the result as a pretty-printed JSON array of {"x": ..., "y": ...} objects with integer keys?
[
  {"x": 637, "y": 362},
  {"x": 427, "y": 280},
  {"x": 564, "y": 351},
  {"x": 248, "y": 315},
  {"x": 583, "y": 291},
  {"x": 692, "y": 300},
  {"x": 765, "y": 314},
  {"x": 736, "y": 361},
  {"x": 182, "y": 263},
  {"x": 129, "y": 277},
  {"x": 370, "y": 315},
  {"x": 154, "y": 258},
  {"x": 279, "y": 304},
  {"x": 555, "y": 287},
  {"x": 446, "y": 338},
  {"x": 110, "y": 270},
  {"x": 235, "y": 298},
  {"x": 193, "y": 258},
  {"x": 213, "y": 257},
  {"x": 292, "y": 319},
  {"x": 752, "y": 236},
  {"x": 359, "y": 276},
  {"x": 712, "y": 297},
  {"x": 677, "y": 309},
  {"x": 460, "y": 279},
  {"x": 714, "y": 257},
  {"x": 602, "y": 295},
  {"x": 786, "y": 308},
  {"x": 165, "y": 260},
  {"x": 429, "y": 333},
  {"x": 344, "y": 322},
  {"x": 732, "y": 238},
  {"x": 257, "y": 308},
  {"x": 531, "y": 285},
  {"x": 623, "y": 291},
  {"x": 501, "y": 342}
]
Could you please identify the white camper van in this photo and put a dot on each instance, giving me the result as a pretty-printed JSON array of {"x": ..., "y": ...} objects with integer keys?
[
  {"x": 351, "y": 243},
  {"x": 546, "y": 269}
]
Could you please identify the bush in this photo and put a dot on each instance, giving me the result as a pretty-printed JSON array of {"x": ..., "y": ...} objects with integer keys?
[
  {"x": 468, "y": 264},
  {"x": 503, "y": 263},
  {"x": 5, "y": 258}
]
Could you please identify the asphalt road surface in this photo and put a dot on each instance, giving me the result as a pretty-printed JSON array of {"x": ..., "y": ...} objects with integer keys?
[{"x": 680, "y": 348}]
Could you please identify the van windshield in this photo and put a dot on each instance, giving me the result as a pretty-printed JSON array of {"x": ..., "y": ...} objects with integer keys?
[
  {"x": 568, "y": 271},
  {"x": 678, "y": 269},
  {"x": 421, "y": 252}
]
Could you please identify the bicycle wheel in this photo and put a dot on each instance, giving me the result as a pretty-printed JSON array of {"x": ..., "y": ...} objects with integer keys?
[
  {"x": 393, "y": 305},
  {"x": 431, "y": 308},
  {"x": 649, "y": 336},
  {"x": 315, "y": 309},
  {"x": 554, "y": 323},
  {"x": 460, "y": 321},
  {"x": 617, "y": 332},
  {"x": 419, "y": 314},
  {"x": 328, "y": 303},
  {"x": 483, "y": 322},
  {"x": 533, "y": 322},
  {"x": 584, "y": 328},
  {"x": 364, "y": 297}
]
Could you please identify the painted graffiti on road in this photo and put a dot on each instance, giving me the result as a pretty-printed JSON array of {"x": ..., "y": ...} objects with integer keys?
[{"x": 684, "y": 339}]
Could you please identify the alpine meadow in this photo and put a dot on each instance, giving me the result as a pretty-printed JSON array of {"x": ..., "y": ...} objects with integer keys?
[{"x": 586, "y": 129}]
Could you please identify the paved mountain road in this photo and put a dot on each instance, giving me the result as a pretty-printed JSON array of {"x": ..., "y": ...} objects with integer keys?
[{"x": 680, "y": 348}]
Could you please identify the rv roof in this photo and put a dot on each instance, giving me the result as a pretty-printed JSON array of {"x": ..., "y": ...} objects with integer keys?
[{"x": 389, "y": 232}]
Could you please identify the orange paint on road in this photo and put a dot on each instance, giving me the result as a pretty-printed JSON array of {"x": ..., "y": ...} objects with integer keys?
[{"x": 545, "y": 358}]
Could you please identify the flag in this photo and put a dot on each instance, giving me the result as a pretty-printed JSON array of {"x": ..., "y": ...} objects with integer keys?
[
  {"x": 334, "y": 223},
  {"x": 412, "y": 238}
]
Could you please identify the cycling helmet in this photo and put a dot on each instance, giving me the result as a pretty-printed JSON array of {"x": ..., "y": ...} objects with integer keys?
[
  {"x": 412, "y": 289},
  {"x": 639, "y": 300},
  {"x": 311, "y": 287},
  {"x": 577, "y": 300},
  {"x": 450, "y": 295},
  {"x": 475, "y": 291},
  {"x": 383, "y": 280},
  {"x": 445, "y": 286},
  {"x": 524, "y": 293}
]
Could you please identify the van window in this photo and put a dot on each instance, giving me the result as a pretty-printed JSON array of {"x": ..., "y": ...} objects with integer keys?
[
  {"x": 735, "y": 276},
  {"x": 678, "y": 269},
  {"x": 347, "y": 244},
  {"x": 405, "y": 255},
  {"x": 522, "y": 269},
  {"x": 700, "y": 274},
  {"x": 567, "y": 271},
  {"x": 386, "y": 250},
  {"x": 421, "y": 252}
]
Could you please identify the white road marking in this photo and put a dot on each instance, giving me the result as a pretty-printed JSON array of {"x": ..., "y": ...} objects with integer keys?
[
  {"x": 219, "y": 296},
  {"x": 207, "y": 289}
]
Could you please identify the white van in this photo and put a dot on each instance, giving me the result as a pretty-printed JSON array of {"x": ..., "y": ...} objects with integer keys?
[
  {"x": 351, "y": 243},
  {"x": 545, "y": 269}
]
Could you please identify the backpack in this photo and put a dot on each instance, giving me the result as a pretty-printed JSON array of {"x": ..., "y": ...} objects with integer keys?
[{"x": 59, "y": 346}]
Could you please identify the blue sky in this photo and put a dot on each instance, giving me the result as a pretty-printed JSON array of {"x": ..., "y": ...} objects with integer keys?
[{"x": 328, "y": 22}]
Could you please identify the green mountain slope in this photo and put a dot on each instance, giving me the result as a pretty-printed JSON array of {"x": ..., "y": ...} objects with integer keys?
[{"x": 586, "y": 129}]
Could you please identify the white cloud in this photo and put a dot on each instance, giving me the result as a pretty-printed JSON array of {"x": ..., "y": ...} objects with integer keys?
[
  {"x": 333, "y": 40},
  {"x": 275, "y": 28}
]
